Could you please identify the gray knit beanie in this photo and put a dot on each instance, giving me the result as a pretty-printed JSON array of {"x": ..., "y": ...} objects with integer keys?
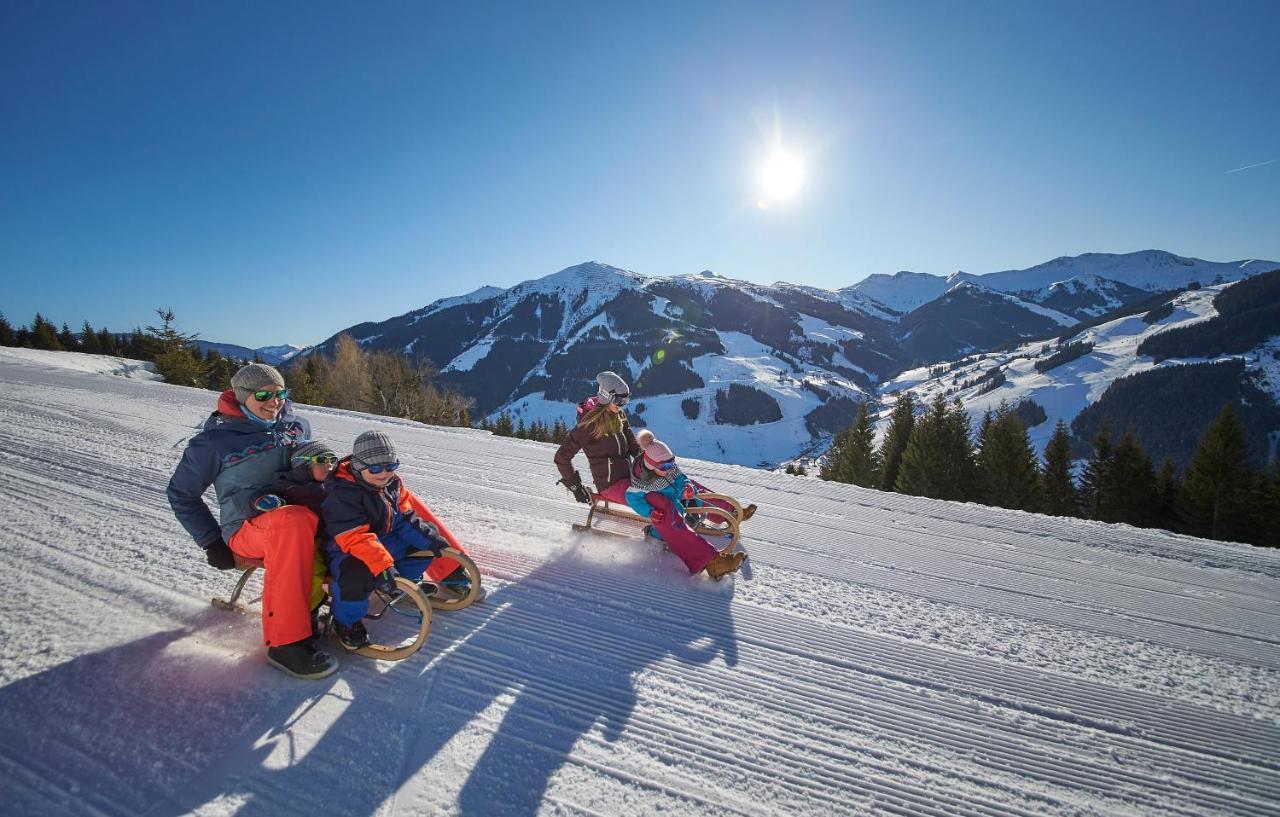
[
  {"x": 304, "y": 452},
  {"x": 253, "y": 377},
  {"x": 372, "y": 448},
  {"x": 612, "y": 386}
]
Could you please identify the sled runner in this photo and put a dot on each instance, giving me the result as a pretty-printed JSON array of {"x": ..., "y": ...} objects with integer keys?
[
  {"x": 398, "y": 623},
  {"x": 706, "y": 520}
]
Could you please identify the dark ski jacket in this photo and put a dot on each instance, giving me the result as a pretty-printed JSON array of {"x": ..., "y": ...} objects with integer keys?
[
  {"x": 609, "y": 456},
  {"x": 297, "y": 487},
  {"x": 355, "y": 513},
  {"x": 237, "y": 455}
]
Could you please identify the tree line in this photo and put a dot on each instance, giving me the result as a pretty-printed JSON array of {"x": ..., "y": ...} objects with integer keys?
[{"x": 934, "y": 452}]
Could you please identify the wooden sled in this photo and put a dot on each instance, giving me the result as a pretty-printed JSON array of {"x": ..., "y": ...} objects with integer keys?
[
  {"x": 398, "y": 623},
  {"x": 713, "y": 521}
]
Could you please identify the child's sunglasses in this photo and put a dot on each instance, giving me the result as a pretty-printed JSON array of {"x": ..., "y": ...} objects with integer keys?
[
  {"x": 322, "y": 459},
  {"x": 378, "y": 469},
  {"x": 665, "y": 466},
  {"x": 265, "y": 395}
]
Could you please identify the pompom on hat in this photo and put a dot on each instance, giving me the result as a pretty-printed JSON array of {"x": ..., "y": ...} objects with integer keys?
[
  {"x": 372, "y": 448},
  {"x": 253, "y": 377}
]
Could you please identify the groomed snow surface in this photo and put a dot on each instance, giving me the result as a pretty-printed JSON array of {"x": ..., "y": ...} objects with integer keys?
[{"x": 885, "y": 654}]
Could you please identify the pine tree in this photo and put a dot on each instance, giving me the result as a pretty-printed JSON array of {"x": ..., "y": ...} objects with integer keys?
[
  {"x": 464, "y": 417},
  {"x": 6, "y": 331},
  {"x": 1271, "y": 507},
  {"x": 938, "y": 461},
  {"x": 859, "y": 461},
  {"x": 43, "y": 335},
  {"x": 1059, "y": 494},
  {"x": 67, "y": 340},
  {"x": 89, "y": 340},
  {"x": 504, "y": 427},
  {"x": 1095, "y": 480},
  {"x": 1132, "y": 498},
  {"x": 177, "y": 360},
  {"x": 1008, "y": 475},
  {"x": 521, "y": 432},
  {"x": 109, "y": 342},
  {"x": 559, "y": 432},
  {"x": 1220, "y": 489},
  {"x": 1168, "y": 489},
  {"x": 901, "y": 423},
  {"x": 831, "y": 463}
]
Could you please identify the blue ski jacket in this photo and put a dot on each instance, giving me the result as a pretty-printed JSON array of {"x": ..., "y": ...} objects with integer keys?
[{"x": 239, "y": 456}]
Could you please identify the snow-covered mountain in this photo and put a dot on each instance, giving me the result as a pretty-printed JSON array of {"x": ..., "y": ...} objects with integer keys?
[
  {"x": 268, "y": 354},
  {"x": 884, "y": 655},
  {"x": 749, "y": 373},
  {"x": 1090, "y": 284},
  {"x": 1174, "y": 407}
]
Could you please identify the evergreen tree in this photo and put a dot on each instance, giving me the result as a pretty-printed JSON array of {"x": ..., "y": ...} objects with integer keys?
[
  {"x": 831, "y": 463},
  {"x": 109, "y": 342},
  {"x": 1059, "y": 496},
  {"x": 521, "y": 432},
  {"x": 1220, "y": 489},
  {"x": 485, "y": 425},
  {"x": 43, "y": 335},
  {"x": 177, "y": 359},
  {"x": 1168, "y": 489},
  {"x": 1132, "y": 498},
  {"x": 67, "y": 340},
  {"x": 301, "y": 387},
  {"x": 6, "y": 331},
  {"x": 1271, "y": 508},
  {"x": 901, "y": 423},
  {"x": 89, "y": 340},
  {"x": 1008, "y": 475},
  {"x": 319, "y": 371},
  {"x": 559, "y": 432},
  {"x": 504, "y": 427},
  {"x": 1095, "y": 480},
  {"x": 938, "y": 461},
  {"x": 859, "y": 461}
]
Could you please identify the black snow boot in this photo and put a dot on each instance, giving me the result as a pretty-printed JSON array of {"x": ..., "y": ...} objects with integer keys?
[
  {"x": 301, "y": 659},
  {"x": 351, "y": 636}
]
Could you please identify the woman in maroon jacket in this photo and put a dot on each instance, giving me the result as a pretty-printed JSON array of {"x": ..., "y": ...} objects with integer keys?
[{"x": 604, "y": 435}]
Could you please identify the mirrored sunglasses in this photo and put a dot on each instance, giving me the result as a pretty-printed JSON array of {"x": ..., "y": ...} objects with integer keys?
[
  {"x": 665, "y": 466},
  {"x": 265, "y": 395},
  {"x": 378, "y": 469},
  {"x": 321, "y": 459}
]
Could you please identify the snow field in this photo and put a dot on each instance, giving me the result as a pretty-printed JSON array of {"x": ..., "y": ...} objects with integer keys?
[{"x": 884, "y": 655}]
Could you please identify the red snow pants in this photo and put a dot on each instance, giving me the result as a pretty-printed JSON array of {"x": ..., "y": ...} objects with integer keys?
[
  {"x": 285, "y": 541},
  {"x": 692, "y": 549}
]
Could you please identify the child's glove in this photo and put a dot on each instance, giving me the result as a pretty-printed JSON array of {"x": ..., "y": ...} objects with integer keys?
[
  {"x": 268, "y": 502},
  {"x": 385, "y": 582},
  {"x": 657, "y": 516},
  {"x": 688, "y": 491}
]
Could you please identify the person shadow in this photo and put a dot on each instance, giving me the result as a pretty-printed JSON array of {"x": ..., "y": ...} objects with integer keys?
[
  {"x": 111, "y": 732},
  {"x": 509, "y": 689},
  {"x": 505, "y": 694}
]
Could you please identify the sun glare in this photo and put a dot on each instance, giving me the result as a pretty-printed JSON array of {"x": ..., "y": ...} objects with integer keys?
[{"x": 779, "y": 179}]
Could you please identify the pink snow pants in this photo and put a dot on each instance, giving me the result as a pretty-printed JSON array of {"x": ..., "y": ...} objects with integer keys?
[
  {"x": 285, "y": 541},
  {"x": 692, "y": 549}
]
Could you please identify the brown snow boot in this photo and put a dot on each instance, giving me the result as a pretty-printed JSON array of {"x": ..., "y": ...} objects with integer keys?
[
  {"x": 748, "y": 512},
  {"x": 724, "y": 564}
]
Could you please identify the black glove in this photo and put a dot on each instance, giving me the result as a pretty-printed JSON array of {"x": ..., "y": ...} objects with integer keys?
[
  {"x": 385, "y": 582},
  {"x": 575, "y": 486},
  {"x": 220, "y": 556}
]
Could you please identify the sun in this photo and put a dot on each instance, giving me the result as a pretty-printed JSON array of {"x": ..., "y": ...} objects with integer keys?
[{"x": 779, "y": 179}]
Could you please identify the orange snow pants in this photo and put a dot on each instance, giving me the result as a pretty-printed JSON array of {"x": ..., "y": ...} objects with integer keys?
[{"x": 285, "y": 541}]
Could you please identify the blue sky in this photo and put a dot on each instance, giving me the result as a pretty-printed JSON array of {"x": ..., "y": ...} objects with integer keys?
[{"x": 277, "y": 172}]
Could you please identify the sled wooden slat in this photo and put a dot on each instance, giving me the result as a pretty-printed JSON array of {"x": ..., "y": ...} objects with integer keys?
[{"x": 604, "y": 507}]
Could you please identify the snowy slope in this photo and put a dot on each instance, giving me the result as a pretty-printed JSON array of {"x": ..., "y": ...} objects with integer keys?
[
  {"x": 1066, "y": 390},
  {"x": 887, "y": 654}
]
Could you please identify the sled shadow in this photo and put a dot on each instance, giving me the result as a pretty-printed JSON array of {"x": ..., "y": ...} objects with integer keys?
[{"x": 512, "y": 686}]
